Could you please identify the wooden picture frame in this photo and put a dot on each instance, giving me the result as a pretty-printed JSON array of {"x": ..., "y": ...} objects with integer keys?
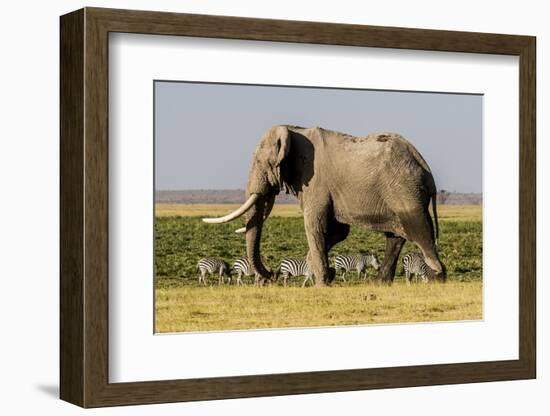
[{"x": 84, "y": 207}]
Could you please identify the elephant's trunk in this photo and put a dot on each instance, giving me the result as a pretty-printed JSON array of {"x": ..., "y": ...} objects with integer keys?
[
  {"x": 254, "y": 226},
  {"x": 269, "y": 206}
]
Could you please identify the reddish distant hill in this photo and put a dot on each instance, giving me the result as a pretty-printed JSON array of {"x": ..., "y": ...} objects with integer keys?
[{"x": 236, "y": 196}]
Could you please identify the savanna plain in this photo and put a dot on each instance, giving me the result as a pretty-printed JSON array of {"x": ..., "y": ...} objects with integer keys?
[{"x": 181, "y": 305}]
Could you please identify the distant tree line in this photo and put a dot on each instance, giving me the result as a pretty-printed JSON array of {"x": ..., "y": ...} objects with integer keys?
[{"x": 442, "y": 196}]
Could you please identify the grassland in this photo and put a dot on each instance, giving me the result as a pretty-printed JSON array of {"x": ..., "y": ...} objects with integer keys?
[
  {"x": 231, "y": 307},
  {"x": 181, "y": 239}
]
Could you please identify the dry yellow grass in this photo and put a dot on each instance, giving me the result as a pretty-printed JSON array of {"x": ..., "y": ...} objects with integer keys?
[
  {"x": 186, "y": 309},
  {"x": 459, "y": 212},
  {"x": 446, "y": 212}
]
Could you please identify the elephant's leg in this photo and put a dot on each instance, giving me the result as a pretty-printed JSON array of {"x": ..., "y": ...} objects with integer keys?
[
  {"x": 432, "y": 260},
  {"x": 420, "y": 231},
  {"x": 317, "y": 256},
  {"x": 310, "y": 278},
  {"x": 394, "y": 244}
]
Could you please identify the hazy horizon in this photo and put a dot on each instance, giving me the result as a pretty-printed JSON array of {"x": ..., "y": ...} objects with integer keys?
[
  {"x": 237, "y": 196},
  {"x": 205, "y": 133},
  {"x": 242, "y": 189}
]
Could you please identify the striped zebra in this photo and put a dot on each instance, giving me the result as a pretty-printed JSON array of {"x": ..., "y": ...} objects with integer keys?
[
  {"x": 243, "y": 268},
  {"x": 211, "y": 266},
  {"x": 358, "y": 262},
  {"x": 415, "y": 266},
  {"x": 295, "y": 267}
]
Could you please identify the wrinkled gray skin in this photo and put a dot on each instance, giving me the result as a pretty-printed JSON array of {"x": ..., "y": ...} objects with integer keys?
[{"x": 379, "y": 181}]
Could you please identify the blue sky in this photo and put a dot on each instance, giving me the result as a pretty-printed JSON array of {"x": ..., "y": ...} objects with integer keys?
[{"x": 205, "y": 134}]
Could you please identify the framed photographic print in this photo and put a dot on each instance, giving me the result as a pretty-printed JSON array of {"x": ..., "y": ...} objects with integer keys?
[{"x": 381, "y": 182}]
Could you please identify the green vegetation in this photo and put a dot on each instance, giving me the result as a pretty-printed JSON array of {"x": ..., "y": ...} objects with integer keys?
[{"x": 181, "y": 242}]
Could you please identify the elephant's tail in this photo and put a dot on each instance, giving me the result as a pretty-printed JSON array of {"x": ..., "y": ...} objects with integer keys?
[{"x": 434, "y": 207}]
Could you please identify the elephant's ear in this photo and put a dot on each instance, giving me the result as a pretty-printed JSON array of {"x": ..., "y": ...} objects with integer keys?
[
  {"x": 282, "y": 149},
  {"x": 282, "y": 144}
]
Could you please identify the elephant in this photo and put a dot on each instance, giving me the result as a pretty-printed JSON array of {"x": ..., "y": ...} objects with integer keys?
[{"x": 379, "y": 181}]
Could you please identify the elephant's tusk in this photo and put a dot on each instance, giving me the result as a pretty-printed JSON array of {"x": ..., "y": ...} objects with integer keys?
[
  {"x": 235, "y": 214},
  {"x": 269, "y": 207}
]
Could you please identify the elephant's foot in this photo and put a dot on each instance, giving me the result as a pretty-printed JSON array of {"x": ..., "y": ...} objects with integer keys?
[
  {"x": 385, "y": 277},
  {"x": 441, "y": 277},
  {"x": 327, "y": 279},
  {"x": 331, "y": 274},
  {"x": 265, "y": 281},
  {"x": 321, "y": 283},
  {"x": 385, "y": 282}
]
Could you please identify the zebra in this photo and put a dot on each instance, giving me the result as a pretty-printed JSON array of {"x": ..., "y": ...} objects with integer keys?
[
  {"x": 358, "y": 262},
  {"x": 211, "y": 266},
  {"x": 295, "y": 267},
  {"x": 414, "y": 264},
  {"x": 243, "y": 268}
]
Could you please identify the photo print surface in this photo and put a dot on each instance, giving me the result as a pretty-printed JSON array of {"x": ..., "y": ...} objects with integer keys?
[{"x": 351, "y": 206}]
